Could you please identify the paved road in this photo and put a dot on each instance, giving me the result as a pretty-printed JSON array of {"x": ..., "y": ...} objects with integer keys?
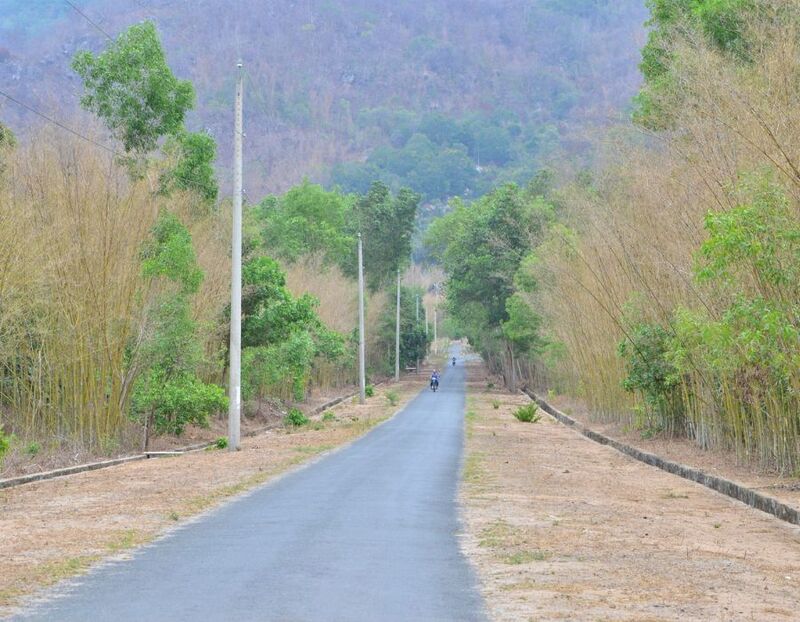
[{"x": 368, "y": 533}]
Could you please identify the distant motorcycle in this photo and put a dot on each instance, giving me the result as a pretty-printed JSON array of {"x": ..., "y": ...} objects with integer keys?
[
  {"x": 454, "y": 361},
  {"x": 434, "y": 384}
]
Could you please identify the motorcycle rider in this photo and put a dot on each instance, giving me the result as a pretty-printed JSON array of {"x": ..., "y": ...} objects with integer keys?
[{"x": 435, "y": 378}]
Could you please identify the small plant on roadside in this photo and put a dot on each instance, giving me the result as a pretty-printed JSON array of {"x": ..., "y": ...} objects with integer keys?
[
  {"x": 174, "y": 515},
  {"x": 221, "y": 442},
  {"x": 392, "y": 397},
  {"x": 526, "y": 557},
  {"x": 328, "y": 416},
  {"x": 528, "y": 414},
  {"x": 490, "y": 385},
  {"x": 295, "y": 418},
  {"x": 495, "y": 404},
  {"x": 5, "y": 443},
  {"x": 369, "y": 390},
  {"x": 33, "y": 448}
]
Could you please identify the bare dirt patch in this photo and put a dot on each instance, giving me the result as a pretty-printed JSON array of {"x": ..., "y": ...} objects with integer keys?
[
  {"x": 785, "y": 488},
  {"x": 58, "y": 528},
  {"x": 561, "y": 528}
]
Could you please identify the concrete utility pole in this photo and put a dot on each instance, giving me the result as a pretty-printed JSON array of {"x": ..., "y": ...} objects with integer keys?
[
  {"x": 235, "y": 384},
  {"x": 435, "y": 337},
  {"x": 426, "y": 321},
  {"x": 397, "y": 334},
  {"x": 416, "y": 327},
  {"x": 362, "y": 375}
]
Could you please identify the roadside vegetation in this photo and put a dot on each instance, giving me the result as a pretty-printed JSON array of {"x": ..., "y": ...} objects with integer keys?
[
  {"x": 660, "y": 286},
  {"x": 114, "y": 272}
]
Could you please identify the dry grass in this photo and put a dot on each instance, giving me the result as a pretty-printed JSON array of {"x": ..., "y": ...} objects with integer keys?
[{"x": 572, "y": 530}]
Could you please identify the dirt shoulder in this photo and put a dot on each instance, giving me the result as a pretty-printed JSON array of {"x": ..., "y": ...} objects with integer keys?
[
  {"x": 682, "y": 450},
  {"x": 258, "y": 416},
  {"x": 561, "y": 528},
  {"x": 58, "y": 528}
]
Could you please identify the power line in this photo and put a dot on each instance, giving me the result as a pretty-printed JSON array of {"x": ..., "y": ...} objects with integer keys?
[
  {"x": 57, "y": 123},
  {"x": 88, "y": 19},
  {"x": 66, "y": 128}
]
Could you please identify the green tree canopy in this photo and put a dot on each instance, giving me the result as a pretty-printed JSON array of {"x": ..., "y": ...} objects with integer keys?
[
  {"x": 131, "y": 87},
  {"x": 481, "y": 246},
  {"x": 167, "y": 394},
  {"x": 306, "y": 220},
  {"x": 194, "y": 155},
  {"x": 386, "y": 223}
]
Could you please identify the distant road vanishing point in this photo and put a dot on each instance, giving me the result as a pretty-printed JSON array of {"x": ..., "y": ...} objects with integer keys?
[{"x": 368, "y": 533}]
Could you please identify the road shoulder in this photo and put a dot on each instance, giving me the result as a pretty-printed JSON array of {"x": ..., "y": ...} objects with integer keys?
[{"x": 561, "y": 528}]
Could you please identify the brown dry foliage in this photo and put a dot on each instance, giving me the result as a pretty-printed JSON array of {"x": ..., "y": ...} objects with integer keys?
[
  {"x": 72, "y": 292},
  {"x": 630, "y": 244}
]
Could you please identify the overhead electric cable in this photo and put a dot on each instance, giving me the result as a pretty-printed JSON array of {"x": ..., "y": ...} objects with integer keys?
[
  {"x": 88, "y": 19},
  {"x": 56, "y": 123}
]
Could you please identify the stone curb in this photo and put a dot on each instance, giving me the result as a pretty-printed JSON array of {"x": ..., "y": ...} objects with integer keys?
[
  {"x": 93, "y": 466},
  {"x": 754, "y": 499}
]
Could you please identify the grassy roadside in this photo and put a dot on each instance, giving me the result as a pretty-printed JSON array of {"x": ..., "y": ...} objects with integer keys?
[{"x": 63, "y": 527}]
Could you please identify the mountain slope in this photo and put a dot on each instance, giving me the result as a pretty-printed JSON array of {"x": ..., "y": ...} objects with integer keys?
[{"x": 330, "y": 81}]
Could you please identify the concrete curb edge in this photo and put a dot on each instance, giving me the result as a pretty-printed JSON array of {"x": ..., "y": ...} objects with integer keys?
[
  {"x": 754, "y": 499},
  {"x": 103, "y": 464}
]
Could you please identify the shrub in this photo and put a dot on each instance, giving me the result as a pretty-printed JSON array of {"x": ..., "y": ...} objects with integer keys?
[
  {"x": 5, "y": 443},
  {"x": 328, "y": 416},
  {"x": 392, "y": 397},
  {"x": 221, "y": 442},
  {"x": 646, "y": 353},
  {"x": 495, "y": 404},
  {"x": 295, "y": 418},
  {"x": 33, "y": 448},
  {"x": 528, "y": 414},
  {"x": 369, "y": 390},
  {"x": 174, "y": 403}
]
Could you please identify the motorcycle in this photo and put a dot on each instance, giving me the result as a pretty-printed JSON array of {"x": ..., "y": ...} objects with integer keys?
[{"x": 434, "y": 385}]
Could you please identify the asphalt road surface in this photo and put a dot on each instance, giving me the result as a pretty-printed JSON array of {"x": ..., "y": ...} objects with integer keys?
[{"x": 367, "y": 533}]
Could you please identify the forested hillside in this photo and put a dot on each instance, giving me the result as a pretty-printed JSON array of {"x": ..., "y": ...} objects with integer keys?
[{"x": 447, "y": 98}]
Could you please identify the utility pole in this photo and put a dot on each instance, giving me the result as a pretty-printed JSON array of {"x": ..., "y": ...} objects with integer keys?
[
  {"x": 426, "y": 321},
  {"x": 397, "y": 334},
  {"x": 362, "y": 376},
  {"x": 235, "y": 384},
  {"x": 416, "y": 328},
  {"x": 435, "y": 337}
]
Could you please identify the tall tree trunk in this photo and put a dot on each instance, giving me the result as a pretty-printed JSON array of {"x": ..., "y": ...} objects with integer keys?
[{"x": 513, "y": 384}]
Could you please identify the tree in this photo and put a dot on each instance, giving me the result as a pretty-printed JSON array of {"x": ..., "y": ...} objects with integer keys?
[
  {"x": 723, "y": 23},
  {"x": 281, "y": 335},
  {"x": 414, "y": 342},
  {"x": 168, "y": 395},
  {"x": 481, "y": 247},
  {"x": 131, "y": 87},
  {"x": 386, "y": 223},
  {"x": 7, "y": 142},
  {"x": 7, "y": 138},
  {"x": 521, "y": 332},
  {"x": 194, "y": 155},
  {"x": 307, "y": 220}
]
